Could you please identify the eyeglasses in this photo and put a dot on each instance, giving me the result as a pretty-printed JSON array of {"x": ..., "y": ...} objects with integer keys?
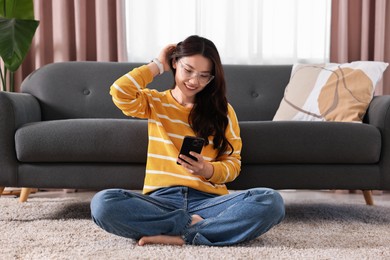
[{"x": 188, "y": 73}]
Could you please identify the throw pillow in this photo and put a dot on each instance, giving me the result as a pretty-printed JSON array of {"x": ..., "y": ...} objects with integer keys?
[{"x": 330, "y": 92}]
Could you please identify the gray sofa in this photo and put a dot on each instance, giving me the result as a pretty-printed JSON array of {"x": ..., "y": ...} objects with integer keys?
[{"x": 63, "y": 131}]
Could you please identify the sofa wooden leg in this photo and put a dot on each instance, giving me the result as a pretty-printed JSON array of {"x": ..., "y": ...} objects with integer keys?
[
  {"x": 24, "y": 194},
  {"x": 1, "y": 190},
  {"x": 368, "y": 197}
]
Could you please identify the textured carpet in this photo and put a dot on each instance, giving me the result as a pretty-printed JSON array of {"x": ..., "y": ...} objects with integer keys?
[{"x": 61, "y": 228}]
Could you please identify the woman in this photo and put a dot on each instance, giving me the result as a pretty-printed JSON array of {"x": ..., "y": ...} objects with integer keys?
[{"x": 184, "y": 200}]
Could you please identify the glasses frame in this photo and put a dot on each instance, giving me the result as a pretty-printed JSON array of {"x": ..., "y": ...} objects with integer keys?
[{"x": 185, "y": 70}]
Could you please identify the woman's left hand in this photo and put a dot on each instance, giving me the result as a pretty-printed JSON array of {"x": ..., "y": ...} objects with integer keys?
[{"x": 200, "y": 167}]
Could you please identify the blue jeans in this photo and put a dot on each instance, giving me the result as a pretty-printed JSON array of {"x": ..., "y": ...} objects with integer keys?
[{"x": 228, "y": 219}]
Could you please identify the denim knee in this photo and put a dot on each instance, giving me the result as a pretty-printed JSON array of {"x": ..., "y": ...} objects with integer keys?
[
  {"x": 99, "y": 206},
  {"x": 277, "y": 208},
  {"x": 274, "y": 202}
]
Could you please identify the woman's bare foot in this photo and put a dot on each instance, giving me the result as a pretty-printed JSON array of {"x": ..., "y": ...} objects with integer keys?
[
  {"x": 161, "y": 239},
  {"x": 196, "y": 219},
  {"x": 167, "y": 240}
]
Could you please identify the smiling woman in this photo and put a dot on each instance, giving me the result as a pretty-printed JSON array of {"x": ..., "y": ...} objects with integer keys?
[
  {"x": 246, "y": 32},
  {"x": 185, "y": 199}
]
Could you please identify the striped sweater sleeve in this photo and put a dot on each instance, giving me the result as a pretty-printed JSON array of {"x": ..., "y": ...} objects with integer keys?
[{"x": 128, "y": 92}]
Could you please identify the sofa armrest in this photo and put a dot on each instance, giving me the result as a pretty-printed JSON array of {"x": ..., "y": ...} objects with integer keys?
[
  {"x": 378, "y": 113},
  {"x": 16, "y": 109}
]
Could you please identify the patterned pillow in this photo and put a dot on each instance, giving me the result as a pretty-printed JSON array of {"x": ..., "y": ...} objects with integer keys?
[{"x": 330, "y": 92}]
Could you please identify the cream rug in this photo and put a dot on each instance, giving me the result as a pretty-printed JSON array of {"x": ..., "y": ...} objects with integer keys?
[{"x": 61, "y": 228}]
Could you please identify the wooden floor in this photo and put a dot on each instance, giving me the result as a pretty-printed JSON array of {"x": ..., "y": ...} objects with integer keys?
[{"x": 288, "y": 195}]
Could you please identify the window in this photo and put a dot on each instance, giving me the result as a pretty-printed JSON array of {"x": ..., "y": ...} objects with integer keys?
[{"x": 245, "y": 32}]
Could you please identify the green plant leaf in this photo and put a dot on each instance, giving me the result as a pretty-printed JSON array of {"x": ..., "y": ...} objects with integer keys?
[
  {"x": 20, "y": 9},
  {"x": 15, "y": 40}
]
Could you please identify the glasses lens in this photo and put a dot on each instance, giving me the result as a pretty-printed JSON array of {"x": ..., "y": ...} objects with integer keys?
[
  {"x": 205, "y": 79},
  {"x": 187, "y": 73}
]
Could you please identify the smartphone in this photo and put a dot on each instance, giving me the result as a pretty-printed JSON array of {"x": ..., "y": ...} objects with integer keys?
[{"x": 191, "y": 143}]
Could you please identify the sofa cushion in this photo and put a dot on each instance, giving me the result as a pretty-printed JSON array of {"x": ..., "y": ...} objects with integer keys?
[
  {"x": 113, "y": 140},
  {"x": 330, "y": 92},
  {"x": 83, "y": 140},
  {"x": 309, "y": 142}
]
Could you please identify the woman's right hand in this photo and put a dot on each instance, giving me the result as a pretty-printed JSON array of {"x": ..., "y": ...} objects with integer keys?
[{"x": 164, "y": 55}]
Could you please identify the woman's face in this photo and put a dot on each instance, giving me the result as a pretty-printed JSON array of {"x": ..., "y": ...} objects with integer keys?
[{"x": 193, "y": 73}]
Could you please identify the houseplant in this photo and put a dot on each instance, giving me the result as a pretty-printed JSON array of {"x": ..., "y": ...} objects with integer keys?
[{"x": 17, "y": 28}]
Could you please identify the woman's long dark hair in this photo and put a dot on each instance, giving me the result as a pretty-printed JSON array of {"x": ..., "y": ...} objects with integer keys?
[{"x": 208, "y": 116}]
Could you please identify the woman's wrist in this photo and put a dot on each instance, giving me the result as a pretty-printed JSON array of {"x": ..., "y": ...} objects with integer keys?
[
  {"x": 154, "y": 69},
  {"x": 159, "y": 65},
  {"x": 209, "y": 170}
]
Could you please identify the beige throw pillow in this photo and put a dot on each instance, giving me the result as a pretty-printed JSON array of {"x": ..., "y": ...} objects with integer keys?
[{"x": 330, "y": 92}]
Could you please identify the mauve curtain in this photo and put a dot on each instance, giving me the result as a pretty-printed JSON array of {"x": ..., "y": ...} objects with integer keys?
[
  {"x": 360, "y": 30},
  {"x": 78, "y": 30}
]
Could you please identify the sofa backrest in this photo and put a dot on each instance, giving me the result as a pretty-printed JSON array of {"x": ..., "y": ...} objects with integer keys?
[
  {"x": 81, "y": 89},
  {"x": 255, "y": 91}
]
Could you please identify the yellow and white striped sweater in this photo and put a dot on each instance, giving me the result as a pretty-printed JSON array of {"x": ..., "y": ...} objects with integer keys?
[{"x": 167, "y": 126}]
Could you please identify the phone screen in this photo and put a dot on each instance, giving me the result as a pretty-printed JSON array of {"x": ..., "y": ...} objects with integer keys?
[{"x": 191, "y": 143}]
